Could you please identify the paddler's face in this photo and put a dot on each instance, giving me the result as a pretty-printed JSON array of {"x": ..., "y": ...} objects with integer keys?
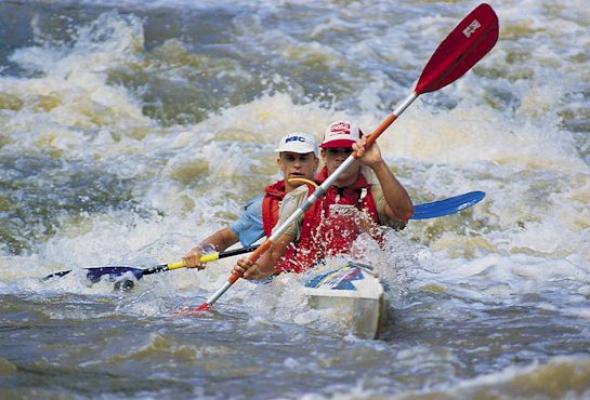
[
  {"x": 333, "y": 157},
  {"x": 295, "y": 165}
]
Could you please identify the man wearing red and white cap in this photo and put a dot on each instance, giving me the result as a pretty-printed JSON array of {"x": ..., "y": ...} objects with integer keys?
[
  {"x": 297, "y": 161},
  {"x": 365, "y": 196}
]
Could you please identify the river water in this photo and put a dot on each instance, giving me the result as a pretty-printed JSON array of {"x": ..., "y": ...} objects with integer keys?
[{"x": 130, "y": 130}]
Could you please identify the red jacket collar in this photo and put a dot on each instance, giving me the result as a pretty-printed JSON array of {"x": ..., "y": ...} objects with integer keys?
[{"x": 277, "y": 189}]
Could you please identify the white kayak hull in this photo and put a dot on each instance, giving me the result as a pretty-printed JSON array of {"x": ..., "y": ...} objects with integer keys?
[{"x": 354, "y": 293}]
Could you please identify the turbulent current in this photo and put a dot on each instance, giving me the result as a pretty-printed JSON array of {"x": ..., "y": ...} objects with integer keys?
[{"x": 130, "y": 130}]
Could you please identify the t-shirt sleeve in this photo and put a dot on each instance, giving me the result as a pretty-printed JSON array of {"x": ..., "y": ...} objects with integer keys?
[
  {"x": 249, "y": 226},
  {"x": 292, "y": 201}
]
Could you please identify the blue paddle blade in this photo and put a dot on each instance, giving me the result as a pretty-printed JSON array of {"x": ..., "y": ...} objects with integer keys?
[
  {"x": 113, "y": 273},
  {"x": 448, "y": 206}
]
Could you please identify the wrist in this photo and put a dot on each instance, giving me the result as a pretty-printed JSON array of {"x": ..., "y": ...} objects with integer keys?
[{"x": 378, "y": 165}]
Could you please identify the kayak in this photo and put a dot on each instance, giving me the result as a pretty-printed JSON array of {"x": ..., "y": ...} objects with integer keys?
[{"x": 354, "y": 292}]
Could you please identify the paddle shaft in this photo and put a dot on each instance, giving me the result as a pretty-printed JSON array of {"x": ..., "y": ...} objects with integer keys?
[
  {"x": 204, "y": 259},
  {"x": 158, "y": 268}
]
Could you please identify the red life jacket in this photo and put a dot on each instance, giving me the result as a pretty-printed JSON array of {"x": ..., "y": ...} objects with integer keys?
[
  {"x": 328, "y": 228},
  {"x": 273, "y": 195}
]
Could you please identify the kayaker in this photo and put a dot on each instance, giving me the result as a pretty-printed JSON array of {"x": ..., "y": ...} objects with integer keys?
[
  {"x": 297, "y": 159},
  {"x": 365, "y": 196}
]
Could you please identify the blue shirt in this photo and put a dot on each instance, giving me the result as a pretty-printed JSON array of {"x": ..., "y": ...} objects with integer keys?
[{"x": 249, "y": 226}]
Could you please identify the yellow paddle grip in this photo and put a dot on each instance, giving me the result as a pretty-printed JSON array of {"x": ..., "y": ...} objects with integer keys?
[
  {"x": 210, "y": 257},
  {"x": 176, "y": 265},
  {"x": 204, "y": 259}
]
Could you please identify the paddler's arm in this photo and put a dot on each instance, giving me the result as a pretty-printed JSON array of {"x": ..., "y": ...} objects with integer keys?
[
  {"x": 219, "y": 241},
  {"x": 247, "y": 229},
  {"x": 398, "y": 203},
  {"x": 265, "y": 266}
]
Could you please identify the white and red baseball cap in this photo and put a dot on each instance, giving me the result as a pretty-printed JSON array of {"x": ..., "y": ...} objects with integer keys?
[
  {"x": 298, "y": 142},
  {"x": 341, "y": 134}
]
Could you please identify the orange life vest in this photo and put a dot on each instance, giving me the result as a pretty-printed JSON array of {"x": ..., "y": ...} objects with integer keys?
[{"x": 273, "y": 195}]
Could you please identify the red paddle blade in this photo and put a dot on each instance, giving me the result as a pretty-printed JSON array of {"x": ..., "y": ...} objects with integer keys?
[
  {"x": 472, "y": 39},
  {"x": 191, "y": 311},
  {"x": 202, "y": 307}
]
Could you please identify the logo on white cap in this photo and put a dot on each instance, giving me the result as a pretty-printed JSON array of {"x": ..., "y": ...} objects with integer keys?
[
  {"x": 339, "y": 128},
  {"x": 341, "y": 134},
  {"x": 298, "y": 142}
]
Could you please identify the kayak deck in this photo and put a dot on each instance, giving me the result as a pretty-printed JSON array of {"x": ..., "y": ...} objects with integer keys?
[{"x": 354, "y": 293}]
